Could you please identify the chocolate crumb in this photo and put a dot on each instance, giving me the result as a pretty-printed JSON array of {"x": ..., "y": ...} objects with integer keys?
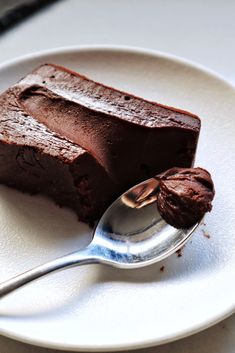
[
  {"x": 162, "y": 269},
  {"x": 179, "y": 253},
  {"x": 206, "y": 235}
]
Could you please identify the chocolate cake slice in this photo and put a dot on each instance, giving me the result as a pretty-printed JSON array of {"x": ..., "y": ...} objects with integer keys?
[{"x": 83, "y": 143}]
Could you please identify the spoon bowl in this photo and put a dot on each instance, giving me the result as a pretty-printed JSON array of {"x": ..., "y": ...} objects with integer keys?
[{"x": 130, "y": 234}]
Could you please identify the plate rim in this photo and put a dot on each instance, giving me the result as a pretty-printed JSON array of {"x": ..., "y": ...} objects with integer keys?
[
  {"x": 132, "y": 50},
  {"x": 118, "y": 347},
  {"x": 118, "y": 48}
]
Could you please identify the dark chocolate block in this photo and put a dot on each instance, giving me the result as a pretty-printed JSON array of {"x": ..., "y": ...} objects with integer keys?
[{"x": 83, "y": 143}]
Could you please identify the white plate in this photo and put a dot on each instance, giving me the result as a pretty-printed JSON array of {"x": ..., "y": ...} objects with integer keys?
[{"x": 99, "y": 308}]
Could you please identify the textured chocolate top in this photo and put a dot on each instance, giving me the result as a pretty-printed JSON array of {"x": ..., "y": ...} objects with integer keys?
[
  {"x": 185, "y": 196},
  {"x": 18, "y": 128},
  {"x": 100, "y": 98}
]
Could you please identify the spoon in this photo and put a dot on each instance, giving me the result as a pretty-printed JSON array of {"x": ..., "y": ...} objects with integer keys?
[{"x": 130, "y": 234}]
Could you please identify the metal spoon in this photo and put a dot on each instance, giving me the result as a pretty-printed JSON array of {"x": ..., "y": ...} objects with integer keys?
[{"x": 130, "y": 234}]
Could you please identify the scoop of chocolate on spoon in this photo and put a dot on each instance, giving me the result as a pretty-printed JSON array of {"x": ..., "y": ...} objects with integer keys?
[{"x": 146, "y": 224}]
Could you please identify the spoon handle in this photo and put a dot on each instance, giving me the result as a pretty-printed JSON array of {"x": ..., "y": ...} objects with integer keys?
[{"x": 82, "y": 257}]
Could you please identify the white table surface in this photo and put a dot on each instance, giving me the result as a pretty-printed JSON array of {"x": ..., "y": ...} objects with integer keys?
[{"x": 199, "y": 30}]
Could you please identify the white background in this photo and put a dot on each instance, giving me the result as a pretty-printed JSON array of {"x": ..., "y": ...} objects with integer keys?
[{"x": 200, "y": 30}]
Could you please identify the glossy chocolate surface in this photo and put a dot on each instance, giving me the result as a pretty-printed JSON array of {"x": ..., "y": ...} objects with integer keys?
[{"x": 185, "y": 196}]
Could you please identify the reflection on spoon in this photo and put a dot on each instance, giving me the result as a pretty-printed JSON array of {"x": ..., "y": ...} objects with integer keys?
[{"x": 142, "y": 194}]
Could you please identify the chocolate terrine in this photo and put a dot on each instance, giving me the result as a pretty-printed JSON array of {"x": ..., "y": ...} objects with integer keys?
[{"x": 83, "y": 143}]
